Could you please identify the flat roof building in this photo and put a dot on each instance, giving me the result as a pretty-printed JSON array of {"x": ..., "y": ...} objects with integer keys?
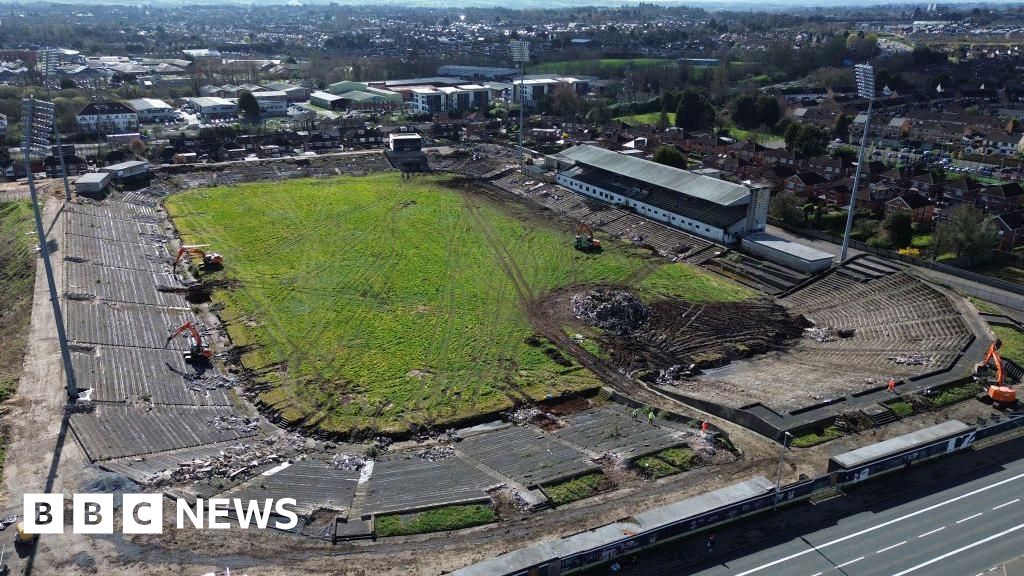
[
  {"x": 151, "y": 110},
  {"x": 792, "y": 255},
  {"x": 92, "y": 184}
]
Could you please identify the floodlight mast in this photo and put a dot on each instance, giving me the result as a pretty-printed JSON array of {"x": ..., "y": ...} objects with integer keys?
[
  {"x": 48, "y": 64},
  {"x": 865, "y": 74},
  {"x": 38, "y": 124},
  {"x": 521, "y": 55}
]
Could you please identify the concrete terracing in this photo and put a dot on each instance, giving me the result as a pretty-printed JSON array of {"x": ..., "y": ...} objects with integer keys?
[{"x": 899, "y": 327}]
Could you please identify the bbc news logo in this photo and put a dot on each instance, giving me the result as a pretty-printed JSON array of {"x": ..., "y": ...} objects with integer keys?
[{"x": 144, "y": 513}]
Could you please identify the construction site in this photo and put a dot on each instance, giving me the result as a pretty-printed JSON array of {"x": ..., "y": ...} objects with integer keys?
[{"x": 471, "y": 347}]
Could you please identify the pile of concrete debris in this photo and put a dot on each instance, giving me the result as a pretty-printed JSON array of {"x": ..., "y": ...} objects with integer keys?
[
  {"x": 236, "y": 460},
  {"x": 347, "y": 462},
  {"x": 208, "y": 380},
  {"x": 242, "y": 426},
  {"x": 617, "y": 311},
  {"x": 437, "y": 453}
]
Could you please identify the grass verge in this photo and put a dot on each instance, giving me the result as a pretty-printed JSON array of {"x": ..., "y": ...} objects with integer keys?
[
  {"x": 955, "y": 394},
  {"x": 649, "y": 119},
  {"x": 577, "y": 489},
  {"x": 17, "y": 270},
  {"x": 813, "y": 437},
  {"x": 436, "y": 520},
  {"x": 1013, "y": 343},
  {"x": 901, "y": 408}
]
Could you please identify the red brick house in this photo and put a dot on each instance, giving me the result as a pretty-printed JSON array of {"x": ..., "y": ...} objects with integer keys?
[{"x": 919, "y": 208}]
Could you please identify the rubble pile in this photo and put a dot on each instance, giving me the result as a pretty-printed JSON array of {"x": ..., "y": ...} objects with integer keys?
[
  {"x": 820, "y": 335},
  {"x": 235, "y": 460},
  {"x": 521, "y": 416},
  {"x": 347, "y": 462},
  {"x": 507, "y": 497},
  {"x": 209, "y": 380},
  {"x": 617, "y": 311},
  {"x": 437, "y": 453},
  {"x": 235, "y": 423}
]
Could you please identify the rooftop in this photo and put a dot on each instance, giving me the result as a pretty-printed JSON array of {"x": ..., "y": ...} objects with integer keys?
[
  {"x": 683, "y": 181},
  {"x": 801, "y": 251}
]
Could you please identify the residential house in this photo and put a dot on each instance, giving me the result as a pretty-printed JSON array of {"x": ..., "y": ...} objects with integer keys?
[
  {"x": 919, "y": 208},
  {"x": 806, "y": 184},
  {"x": 1011, "y": 229},
  {"x": 829, "y": 167},
  {"x": 1002, "y": 197},
  {"x": 963, "y": 191}
]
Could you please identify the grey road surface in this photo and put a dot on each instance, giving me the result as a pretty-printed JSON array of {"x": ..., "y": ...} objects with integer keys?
[{"x": 962, "y": 531}]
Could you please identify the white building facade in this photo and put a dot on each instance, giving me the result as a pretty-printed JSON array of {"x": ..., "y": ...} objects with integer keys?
[
  {"x": 107, "y": 118},
  {"x": 714, "y": 209}
]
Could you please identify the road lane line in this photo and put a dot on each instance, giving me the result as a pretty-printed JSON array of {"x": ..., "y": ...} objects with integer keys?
[
  {"x": 813, "y": 548},
  {"x": 932, "y": 532},
  {"x": 968, "y": 518},
  {"x": 959, "y": 550},
  {"x": 1014, "y": 501},
  {"x": 816, "y": 574},
  {"x": 850, "y": 562},
  {"x": 891, "y": 547}
]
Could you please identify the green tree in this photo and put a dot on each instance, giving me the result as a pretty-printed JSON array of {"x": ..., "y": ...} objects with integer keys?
[
  {"x": 248, "y": 105},
  {"x": 841, "y": 129},
  {"x": 786, "y": 207},
  {"x": 745, "y": 113},
  {"x": 900, "y": 229},
  {"x": 694, "y": 111},
  {"x": 670, "y": 156},
  {"x": 968, "y": 232},
  {"x": 806, "y": 140},
  {"x": 663, "y": 116},
  {"x": 768, "y": 110}
]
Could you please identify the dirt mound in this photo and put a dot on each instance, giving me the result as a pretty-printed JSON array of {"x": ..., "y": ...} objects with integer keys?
[
  {"x": 681, "y": 336},
  {"x": 618, "y": 312}
]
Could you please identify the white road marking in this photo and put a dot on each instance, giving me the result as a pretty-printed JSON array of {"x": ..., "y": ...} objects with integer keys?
[
  {"x": 813, "y": 548},
  {"x": 968, "y": 518},
  {"x": 1014, "y": 501},
  {"x": 932, "y": 532},
  {"x": 816, "y": 574},
  {"x": 850, "y": 562},
  {"x": 891, "y": 547},
  {"x": 960, "y": 549}
]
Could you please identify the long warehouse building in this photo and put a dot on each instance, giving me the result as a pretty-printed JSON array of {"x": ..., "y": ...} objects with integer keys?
[{"x": 715, "y": 209}]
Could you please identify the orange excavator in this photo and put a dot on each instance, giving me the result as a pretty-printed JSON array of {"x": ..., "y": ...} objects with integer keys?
[
  {"x": 199, "y": 352},
  {"x": 210, "y": 259},
  {"x": 998, "y": 392},
  {"x": 584, "y": 239}
]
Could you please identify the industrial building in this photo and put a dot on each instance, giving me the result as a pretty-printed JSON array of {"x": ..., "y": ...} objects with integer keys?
[
  {"x": 326, "y": 100},
  {"x": 92, "y": 184},
  {"x": 792, "y": 255},
  {"x": 715, "y": 209},
  {"x": 151, "y": 110},
  {"x": 272, "y": 102},
  {"x": 129, "y": 171},
  {"x": 213, "y": 107},
  {"x": 294, "y": 92}
]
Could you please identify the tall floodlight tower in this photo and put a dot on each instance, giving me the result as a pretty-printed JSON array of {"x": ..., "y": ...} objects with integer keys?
[
  {"x": 38, "y": 122},
  {"x": 865, "y": 89},
  {"x": 521, "y": 55},
  {"x": 49, "y": 59}
]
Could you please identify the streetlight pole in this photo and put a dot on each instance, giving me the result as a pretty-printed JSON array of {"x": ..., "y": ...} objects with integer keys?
[
  {"x": 520, "y": 55},
  {"x": 866, "y": 89},
  {"x": 38, "y": 122},
  {"x": 778, "y": 482}
]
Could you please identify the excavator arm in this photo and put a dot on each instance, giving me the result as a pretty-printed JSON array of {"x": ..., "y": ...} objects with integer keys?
[{"x": 196, "y": 338}]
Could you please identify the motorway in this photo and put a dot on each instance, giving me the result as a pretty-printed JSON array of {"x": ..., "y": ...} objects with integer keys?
[{"x": 961, "y": 531}]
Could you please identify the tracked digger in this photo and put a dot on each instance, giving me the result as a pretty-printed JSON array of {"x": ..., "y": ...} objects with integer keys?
[
  {"x": 210, "y": 259},
  {"x": 584, "y": 240},
  {"x": 198, "y": 352},
  {"x": 996, "y": 391}
]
